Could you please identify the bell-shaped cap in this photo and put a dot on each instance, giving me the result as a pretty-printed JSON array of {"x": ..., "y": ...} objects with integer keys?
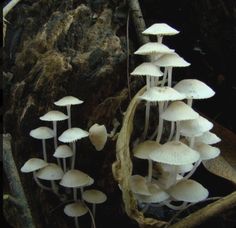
[
  {"x": 153, "y": 48},
  {"x": 42, "y": 133},
  {"x": 195, "y": 127},
  {"x": 63, "y": 151},
  {"x": 68, "y": 100},
  {"x": 72, "y": 135},
  {"x": 144, "y": 149},
  {"x": 138, "y": 185},
  {"x": 98, "y": 136},
  {"x": 188, "y": 191},
  {"x": 54, "y": 116},
  {"x": 94, "y": 196},
  {"x": 50, "y": 172},
  {"x": 179, "y": 111},
  {"x": 171, "y": 60},
  {"x": 194, "y": 89},
  {"x": 76, "y": 209},
  {"x": 33, "y": 164},
  {"x": 74, "y": 179},
  {"x": 208, "y": 138},
  {"x": 206, "y": 151},
  {"x": 160, "y": 29},
  {"x": 147, "y": 69},
  {"x": 175, "y": 153},
  {"x": 156, "y": 94}
]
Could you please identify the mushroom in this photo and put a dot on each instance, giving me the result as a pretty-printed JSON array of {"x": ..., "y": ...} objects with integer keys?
[
  {"x": 63, "y": 151},
  {"x": 51, "y": 172},
  {"x": 71, "y": 135},
  {"x": 169, "y": 61},
  {"x": 75, "y": 210},
  {"x": 32, "y": 165},
  {"x": 54, "y": 116},
  {"x": 42, "y": 133},
  {"x": 177, "y": 112},
  {"x": 208, "y": 138},
  {"x": 68, "y": 101},
  {"x": 187, "y": 191},
  {"x": 94, "y": 197},
  {"x": 150, "y": 71},
  {"x": 98, "y": 136},
  {"x": 75, "y": 179},
  {"x": 160, "y": 30},
  {"x": 194, "y": 89},
  {"x": 138, "y": 185},
  {"x": 143, "y": 150}
]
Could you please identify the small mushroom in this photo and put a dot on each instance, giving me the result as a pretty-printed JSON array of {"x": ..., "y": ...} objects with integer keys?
[
  {"x": 98, "y": 136},
  {"x": 75, "y": 210},
  {"x": 42, "y": 133},
  {"x": 68, "y": 101},
  {"x": 71, "y": 135}
]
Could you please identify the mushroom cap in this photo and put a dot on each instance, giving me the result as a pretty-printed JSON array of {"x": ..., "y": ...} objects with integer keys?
[
  {"x": 138, "y": 185},
  {"x": 184, "y": 168},
  {"x": 72, "y": 134},
  {"x": 160, "y": 29},
  {"x": 188, "y": 191},
  {"x": 90, "y": 181},
  {"x": 206, "y": 151},
  {"x": 94, "y": 196},
  {"x": 208, "y": 138},
  {"x": 50, "y": 172},
  {"x": 195, "y": 127},
  {"x": 144, "y": 149},
  {"x": 171, "y": 60},
  {"x": 68, "y": 100},
  {"x": 157, "y": 194},
  {"x": 98, "y": 136},
  {"x": 147, "y": 69},
  {"x": 54, "y": 116},
  {"x": 33, "y": 164},
  {"x": 179, "y": 111},
  {"x": 175, "y": 153},
  {"x": 42, "y": 133},
  {"x": 194, "y": 89},
  {"x": 161, "y": 94},
  {"x": 153, "y": 48},
  {"x": 76, "y": 209},
  {"x": 63, "y": 151},
  {"x": 75, "y": 179}
]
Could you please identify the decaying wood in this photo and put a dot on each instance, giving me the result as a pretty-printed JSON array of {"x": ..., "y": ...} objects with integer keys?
[
  {"x": 17, "y": 190},
  {"x": 207, "y": 212}
]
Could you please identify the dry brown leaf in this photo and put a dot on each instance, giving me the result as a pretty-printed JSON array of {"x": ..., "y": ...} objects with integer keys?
[{"x": 220, "y": 167}]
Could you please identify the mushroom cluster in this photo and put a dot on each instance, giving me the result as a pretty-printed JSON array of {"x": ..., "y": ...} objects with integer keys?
[
  {"x": 62, "y": 174},
  {"x": 190, "y": 139}
]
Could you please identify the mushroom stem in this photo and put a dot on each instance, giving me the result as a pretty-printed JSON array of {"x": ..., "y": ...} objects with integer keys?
[
  {"x": 68, "y": 107},
  {"x": 148, "y": 82},
  {"x": 55, "y": 139},
  {"x": 39, "y": 183},
  {"x": 75, "y": 194},
  {"x": 193, "y": 170},
  {"x": 172, "y": 129},
  {"x": 160, "y": 124},
  {"x": 54, "y": 187},
  {"x": 147, "y": 113},
  {"x": 74, "y": 155},
  {"x": 152, "y": 83},
  {"x": 180, "y": 207},
  {"x": 44, "y": 150},
  {"x": 64, "y": 165},
  {"x": 192, "y": 141},
  {"x": 159, "y": 39},
  {"x": 76, "y": 222},
  {"x": 149, "y": 170},
  {"x": 177, "y": 135},
  {"x": 169, "y": 69},
  {"x": 94, "y": 210},
  {"x": 190, "y": 102},
  {"x": 164, "y": 77}
]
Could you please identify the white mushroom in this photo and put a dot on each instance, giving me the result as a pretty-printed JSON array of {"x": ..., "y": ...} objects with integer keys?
[{"x": 98, "y": 136}]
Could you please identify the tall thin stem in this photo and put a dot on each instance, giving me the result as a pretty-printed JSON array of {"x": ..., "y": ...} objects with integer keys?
[
  {"x": 164, "y": 77},
  {"x": 159, "y": 39},
  {"x": 170, "y": 76},
  {"x": 55, "y": 139},
  {"x": 149, "y": 170},
  {"x": 75, "y": 194},
  {"x": 193, "y": 170},
  {"x": 177, "y": 135},
  {"x": 76, "y": 222},
  {"x": 68, "y": 107},
  {"x": 160, "y": 124},
  {"x": 74, "y": 155},
  {"x": 172, "y": 130},
  {"x": 192, "y": 141},
  {"x": 148, "y": 82},
  {"x": 147, "y": 113},
  {"x": 44, "y": 150},
  {"x": 64, "y": 164},
  {"x": 39, "y": 183},
  {"x": 190, "y": 102},
  {"x": 94, "y": 210}
]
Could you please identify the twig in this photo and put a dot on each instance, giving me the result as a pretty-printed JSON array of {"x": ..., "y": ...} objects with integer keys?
[
  {"x": 207, "y": 212},
  {"x": 17, "y": 191}
]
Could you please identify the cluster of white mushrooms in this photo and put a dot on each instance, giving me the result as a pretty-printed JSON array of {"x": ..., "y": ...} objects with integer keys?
[
  {"x": 190, "y": 139},
  {"x": 64, "y": 169}
]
